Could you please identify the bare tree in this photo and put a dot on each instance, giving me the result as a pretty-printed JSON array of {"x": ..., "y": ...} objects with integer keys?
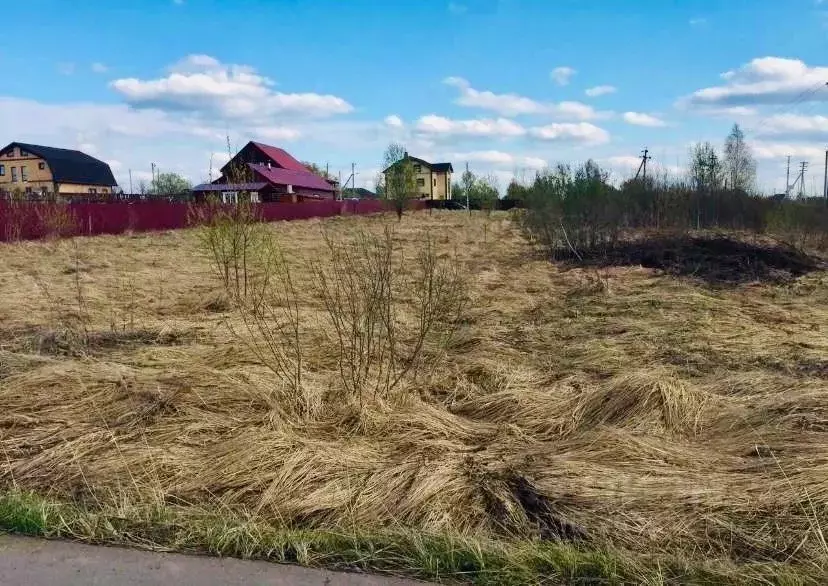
[
  {"x": 739, "y": 164},
  {"x": 399, "y": 176}
]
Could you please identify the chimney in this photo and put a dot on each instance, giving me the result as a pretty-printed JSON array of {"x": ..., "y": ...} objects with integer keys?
[
  {"x": 290, "y": 188},
  {"x": 268, "y": 164}
]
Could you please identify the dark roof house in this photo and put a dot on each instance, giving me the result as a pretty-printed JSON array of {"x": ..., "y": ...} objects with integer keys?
[
  {"x": 56, "y": 166},
  {"x": 431, "y": 180}
]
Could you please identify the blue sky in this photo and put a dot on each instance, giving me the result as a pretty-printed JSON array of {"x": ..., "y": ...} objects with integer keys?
[{"x": 508, "y": 86}]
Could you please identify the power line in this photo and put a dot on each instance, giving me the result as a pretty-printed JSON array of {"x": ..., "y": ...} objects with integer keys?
[{"x": 798, "y": 99}]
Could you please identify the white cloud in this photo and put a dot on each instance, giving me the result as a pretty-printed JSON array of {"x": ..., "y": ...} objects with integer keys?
[
  {"x": 623, "y": 162},
  {"x": 766, "y": 80},
  {"x": 776, "y": 150},
  {"x": 641, "y": 119},
  {"x": 200, "y": 84},
  {"x": 500, "y": 158},
  {"x": 393, "y": 121},
  {"x": 510, "y": 104},
  {"x": 562, "y": 75},
  {"x": 698, "y": 21},
  {"x": 484, "y": 127},
  {"x": 66, "y": 68},
  {"x": 99, "y": 68},
  {"x": 794, "y": 126},
  {"x": 600, "y": 90},
  {"x": 724, "y": 111},
  {"x": 580, "y": 132},
  {"x": 277, "y": 133}
]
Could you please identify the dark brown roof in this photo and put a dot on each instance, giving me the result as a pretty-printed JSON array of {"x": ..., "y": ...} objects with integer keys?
[
  {"x": 438, "y": 167},
  {"x": 69, "y": 166}
]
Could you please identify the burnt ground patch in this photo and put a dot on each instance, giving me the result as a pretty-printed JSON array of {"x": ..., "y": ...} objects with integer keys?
[{"x": 716, "y": 260}]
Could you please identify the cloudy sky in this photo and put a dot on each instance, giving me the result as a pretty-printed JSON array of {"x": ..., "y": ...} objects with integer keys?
[{"x": 507, "y": 86}]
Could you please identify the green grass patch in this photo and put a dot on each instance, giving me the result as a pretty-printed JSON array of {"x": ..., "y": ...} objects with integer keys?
[{"x": 440, "y": 558}]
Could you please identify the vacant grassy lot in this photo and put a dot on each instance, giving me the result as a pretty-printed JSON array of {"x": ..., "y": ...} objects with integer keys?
[{"x": 613, "y": 423}]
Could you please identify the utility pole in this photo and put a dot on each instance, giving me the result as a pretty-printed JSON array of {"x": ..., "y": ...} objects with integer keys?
[
  {"x": 643, "y": 166},
  {"x": 467, "y": 190},
  {"x": 825, "y": 184},
  {"x": 130, "y": 181},
  {"x": 340, "y": 184},
  {"x": 788, "y": 178},
  {"x": 353, "y": 178},
  {"x": 804, "y": 166}
]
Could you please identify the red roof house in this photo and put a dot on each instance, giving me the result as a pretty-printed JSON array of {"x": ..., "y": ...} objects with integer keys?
[{"x": 276, "y": 175}]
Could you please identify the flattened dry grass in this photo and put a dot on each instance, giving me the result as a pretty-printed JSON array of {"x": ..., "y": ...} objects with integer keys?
[{"x": 618, "y": 420}]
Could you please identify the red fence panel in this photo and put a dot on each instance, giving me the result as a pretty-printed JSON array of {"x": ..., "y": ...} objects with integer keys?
[{"x": 29, "y": 221}]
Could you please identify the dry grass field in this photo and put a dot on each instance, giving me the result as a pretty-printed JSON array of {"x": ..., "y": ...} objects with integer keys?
[{"x": 615, "y": 424}]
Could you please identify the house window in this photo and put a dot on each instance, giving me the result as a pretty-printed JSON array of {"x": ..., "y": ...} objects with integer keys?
[
  {"x": 14, "y": 174},
  {"x": 44, "y": 191},
  {"x": 23, "y": 174},
  {"x": 435, "y": 182},
  {"x": 23, "y": 153},
  {"x": 10, "y": 154},
  {"x": 41, "y": 165},
  {"x": 229, "y": 196},
  {"x": 93, "y": 190},
  {"x": 418, "y": 168},
  {"x": 28, "y": 191},
  {"x": 2, "y": 170},
  {"x": 421, "y": 182}
]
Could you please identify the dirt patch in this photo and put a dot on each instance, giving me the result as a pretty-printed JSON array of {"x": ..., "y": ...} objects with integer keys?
[{"x": 715, "y": 260}]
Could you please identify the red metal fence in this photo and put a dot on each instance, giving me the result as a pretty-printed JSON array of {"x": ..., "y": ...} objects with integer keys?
[{"x": 29, "y": 221}]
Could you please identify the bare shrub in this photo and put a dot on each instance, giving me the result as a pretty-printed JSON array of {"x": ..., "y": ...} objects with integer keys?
[
  {"x": 234, "y": 239},
  {"x": 70, "y": 318},
  {"x": 368, "y": 295},
  {"x": 270, "y": 314},
  {"x": 56, "y": 220}
]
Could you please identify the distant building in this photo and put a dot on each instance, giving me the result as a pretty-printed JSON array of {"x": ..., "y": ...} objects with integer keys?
[
  {"x": 431, "y": 180},
  {"x": 266, "y": 173},
  {"x": 359, "y": 192},
  {"x": 42, "y": 171}
]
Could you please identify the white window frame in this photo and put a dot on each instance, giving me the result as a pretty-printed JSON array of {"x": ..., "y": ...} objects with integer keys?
[{"x": 228, "y": 197}]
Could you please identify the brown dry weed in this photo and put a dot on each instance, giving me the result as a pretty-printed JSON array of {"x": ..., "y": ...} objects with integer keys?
[{"x": 649, "y": 414}]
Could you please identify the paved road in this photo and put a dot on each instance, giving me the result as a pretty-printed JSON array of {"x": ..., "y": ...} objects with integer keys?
[{"x": 33, "y": 562}]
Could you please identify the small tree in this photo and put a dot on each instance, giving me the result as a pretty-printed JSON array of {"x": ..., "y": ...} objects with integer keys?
[
  {"x": 467, "y": 181},
  {"x": 515, "y": 191},
  {"x": 399, "y": 176},
  {"x": 738, "y": 161},
  {"x": 317, "y": 170},
  {"x": 706, "y": 168},
  {"x": 379, "y": 185},
  {"x": 487, "y": 193},
  {"x": 169, "y": 184}
]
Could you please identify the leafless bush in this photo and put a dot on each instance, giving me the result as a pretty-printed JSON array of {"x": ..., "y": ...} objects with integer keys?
[
  {"x": 56, "y": 220},
  {"x": 70, "y": 318},
  {"x": 244, "y": 257},
  {"x": 270, "y": 314},
  {"x": 235, "y": 240},
  {"x": 368, "y": 294}
]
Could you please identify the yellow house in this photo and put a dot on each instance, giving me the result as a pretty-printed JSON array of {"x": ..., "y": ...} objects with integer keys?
[
  {"x": 36, "y": 170},
  {"x": 431, "y": 180}
]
